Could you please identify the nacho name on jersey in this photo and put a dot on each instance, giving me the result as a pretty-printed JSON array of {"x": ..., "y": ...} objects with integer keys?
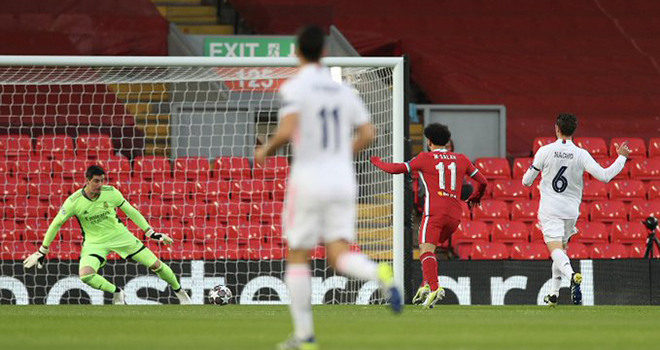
[{"x": 564, "y": 155}]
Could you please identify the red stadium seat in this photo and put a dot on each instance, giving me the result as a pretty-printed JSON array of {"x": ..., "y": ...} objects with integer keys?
[
  {"x": 638, "y": 250},
  {"x": 577, "y": 251},
  {"x": 510, "y": 232},
  {"x": 494, "y": 168},
  {"x": 520, "y": 166},
  {"x": 231, "y": 168},
  {"x": 623, "y": 175},
  {"x": 542, "y": 141},
  {"x": 67, "y": 170},
  {"x": 654, "y": 147},
  {"x": 645, "y": 169},
  {"x": 152, "y": 168},
  {"x": 276, "y": 188},
  {"x": 491, "y": 210},
  {"x": 608, "y": 211},
  {"x": 55, "y": 147},
  {"x": 34, "y": 229},
  {"x": 609, "y": 251},
  {"x": 591, "y": 232},
  {"x": 654, "y": 190},
  {"x": 467, "y": 233},
  {"x": 636, "y": 145},
  {"x": 192, "y": 169},
  {"x": 117, "y": 169},
  {"x": 210, "y": 191},
  {"x": 627, "y": 190},
  {"x": 94, "y": 146},
  {"x": 489, "y": 251},
  {"x": 274, "y": 168},
  {"x": 510, "y": 190},
  {"x": 525, "y": 210},
  {"x": 15, "y": 146},
  {"x": 640, "y": 210},
  {"x": 595, "y": 145},
  {"x": 168, "y": 190},
  {"x": 536, "y": 234},
  {"x": 136, "y": 191},
  {"x": 34, "y": 170},
  {"x": 529, "y": 251},
  {"x": 249, "y": 190},
  {"x": 594, "y": 190},
  {"x": 7, "y": 168},
  {"x": 271, "y": 213},
  {"x": 11, "y": 188},
  {"x": 628, "y": 232},
  {"x": 9, "y": 231}
]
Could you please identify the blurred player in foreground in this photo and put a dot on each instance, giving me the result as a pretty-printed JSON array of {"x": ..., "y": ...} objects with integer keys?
[
  {"x": 441, "y": 172},
  {"x": 562, "y": 165},
  {"x": 318, "y": 116},
  {"x": 95, "y": 208}
]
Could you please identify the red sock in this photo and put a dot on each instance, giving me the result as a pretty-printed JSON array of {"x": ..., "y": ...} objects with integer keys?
[{"x": 430, "y": 269}]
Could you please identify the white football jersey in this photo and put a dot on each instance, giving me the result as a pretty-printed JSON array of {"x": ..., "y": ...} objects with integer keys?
[
  {"x": 562, "y": 165},
  {"x": 322, "y": 146}
]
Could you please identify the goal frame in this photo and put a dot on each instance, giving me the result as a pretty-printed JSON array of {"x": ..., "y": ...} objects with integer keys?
[{"x": 398, "y": 107}]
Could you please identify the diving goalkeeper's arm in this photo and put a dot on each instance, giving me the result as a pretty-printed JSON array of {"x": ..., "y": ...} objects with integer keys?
[
  {"x": 142, "y": 223},
  {"x": 38, "y": 257}
]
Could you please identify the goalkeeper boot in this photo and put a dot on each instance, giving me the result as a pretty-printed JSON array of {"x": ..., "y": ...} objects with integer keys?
[
  {"x": 576, "y": 290},
  {"x": 421, "y": 294},
  {"x": 550, "y": 299},
  {"x": 183, "y": 297},
  {"x": 119, "y": 297},
  {"x": 293, "y": 343},
  {"x": 433, "y": 298},
  {"x": 386, "y": 279}
]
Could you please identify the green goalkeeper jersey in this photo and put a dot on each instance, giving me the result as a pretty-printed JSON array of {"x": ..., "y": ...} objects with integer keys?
[{"x": 98, "y": 217}]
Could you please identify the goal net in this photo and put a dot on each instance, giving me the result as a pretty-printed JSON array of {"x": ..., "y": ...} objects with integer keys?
[{"x": 177, "y": 137}]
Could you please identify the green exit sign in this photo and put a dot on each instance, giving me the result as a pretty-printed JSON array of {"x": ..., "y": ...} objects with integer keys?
[{"x": 249, "y": 47}]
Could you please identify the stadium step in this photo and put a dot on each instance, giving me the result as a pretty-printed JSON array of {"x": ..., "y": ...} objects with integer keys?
[
  {"x": 141, "y": 92},
  {"x": 177, "y": 2},
  {"x": 207, "y": 29},
  {"x": 374, "y": 235},
  {"x": 152, "y": 119},
  {"x": 374, "y": 213},
  {"x": 156, "y": 131},
  {"x": 200, "y": 20},
  {"x": 139, "y": 108},
  {"x": 187, "y": 11}
]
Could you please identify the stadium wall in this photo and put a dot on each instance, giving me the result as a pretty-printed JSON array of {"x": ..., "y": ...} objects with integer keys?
[{"x": 508, "y": 282}]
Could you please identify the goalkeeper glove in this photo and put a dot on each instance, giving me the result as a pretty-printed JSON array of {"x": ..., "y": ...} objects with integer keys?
[
  {"x": 160, "y": 237},
  {"x": 36, "y": 258}
]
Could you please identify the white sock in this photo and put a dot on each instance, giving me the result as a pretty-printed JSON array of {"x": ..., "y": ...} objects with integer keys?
[
  {"x": 563, "y": 263},
  {"x": 298, "y": 279},
  {"x": 357, "y": 265},
  {"x": 556, "y": 280}
]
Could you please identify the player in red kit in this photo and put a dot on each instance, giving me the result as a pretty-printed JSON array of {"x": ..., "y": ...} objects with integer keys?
[{"x": 442, "y": 173}]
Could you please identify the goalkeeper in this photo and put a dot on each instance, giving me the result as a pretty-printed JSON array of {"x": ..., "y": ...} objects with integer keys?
[{"x": 94, "y": 207}]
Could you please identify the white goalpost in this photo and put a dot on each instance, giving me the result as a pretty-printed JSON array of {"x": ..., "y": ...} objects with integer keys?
[{"x": 176, "y": 135}]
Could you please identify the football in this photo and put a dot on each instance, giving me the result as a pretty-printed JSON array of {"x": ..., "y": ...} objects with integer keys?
[{"x": 220, "y": 295}]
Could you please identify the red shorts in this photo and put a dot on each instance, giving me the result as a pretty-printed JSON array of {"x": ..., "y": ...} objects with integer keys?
[{"x": 437, "y": 229}]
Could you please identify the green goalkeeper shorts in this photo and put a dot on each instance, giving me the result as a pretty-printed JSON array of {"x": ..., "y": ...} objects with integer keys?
[{"x": 127, "y": 246}]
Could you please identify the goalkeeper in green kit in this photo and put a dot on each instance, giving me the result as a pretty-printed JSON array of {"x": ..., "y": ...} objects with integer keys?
[{"x": 95, "y": 208}]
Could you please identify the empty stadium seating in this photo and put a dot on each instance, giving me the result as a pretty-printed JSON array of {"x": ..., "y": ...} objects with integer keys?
[
  {"x": 493, "y": 168},
  {"x": 595, "y": 145}
]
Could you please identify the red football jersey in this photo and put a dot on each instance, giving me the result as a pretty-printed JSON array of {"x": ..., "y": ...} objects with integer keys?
[{"x": 442, "y": 174}]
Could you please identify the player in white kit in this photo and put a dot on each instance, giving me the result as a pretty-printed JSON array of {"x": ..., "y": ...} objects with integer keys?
[
  {"x": 318, "y": 116},
  {"x": 562, "y": 166}
]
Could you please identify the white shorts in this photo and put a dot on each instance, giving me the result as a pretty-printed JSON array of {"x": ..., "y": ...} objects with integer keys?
[
  {"x": 309, "y": 221},
  {"x": 557, "y": 230}
]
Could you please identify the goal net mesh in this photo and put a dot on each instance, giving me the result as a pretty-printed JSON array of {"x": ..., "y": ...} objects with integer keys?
[{"x": 178, "y": 142}]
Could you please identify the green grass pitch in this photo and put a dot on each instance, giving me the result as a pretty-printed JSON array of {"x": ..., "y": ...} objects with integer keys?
[{"x": 338, "y": 327}]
